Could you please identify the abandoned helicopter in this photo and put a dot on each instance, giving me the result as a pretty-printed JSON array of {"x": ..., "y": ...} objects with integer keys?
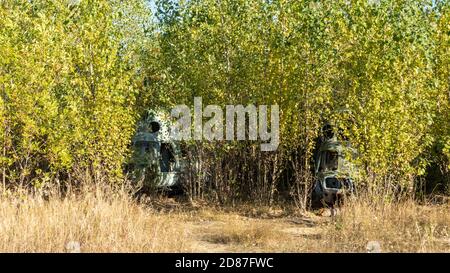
[
  {"x": 157, "y": 161},
  {"x": 333, "y": 172}
]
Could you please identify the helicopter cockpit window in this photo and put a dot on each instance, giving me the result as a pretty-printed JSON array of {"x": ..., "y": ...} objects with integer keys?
[
  {"x": 167, "y": 162},
  {"x": 143, "y": 147},
  {"x": 330, "y": 161},
  {"x": 327, "y": 131},
  {"x": 154, "y": 127}
]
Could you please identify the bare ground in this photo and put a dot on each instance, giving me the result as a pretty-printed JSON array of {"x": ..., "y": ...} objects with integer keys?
[{"x": 208, "y": 236}]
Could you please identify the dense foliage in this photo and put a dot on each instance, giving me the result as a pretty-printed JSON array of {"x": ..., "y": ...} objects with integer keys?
[
  {"x": 75, "y": 75},
  {"x": 68, "y": 84}
]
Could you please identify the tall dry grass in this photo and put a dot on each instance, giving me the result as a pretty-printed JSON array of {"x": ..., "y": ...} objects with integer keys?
[
  {"x": 101, "y": 221},
  {"x": 105, "y": 220},
  {"x": 404, "y": 226},
  {"x": 397, "y": 226}
]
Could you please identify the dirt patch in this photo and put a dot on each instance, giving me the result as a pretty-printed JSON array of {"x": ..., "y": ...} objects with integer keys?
[
  {"x": 235, "y": 233},
  {"x": 307, "y": 232}
]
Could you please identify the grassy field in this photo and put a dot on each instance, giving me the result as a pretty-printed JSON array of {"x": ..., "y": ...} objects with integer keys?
[{"x": 102, "y": 222}]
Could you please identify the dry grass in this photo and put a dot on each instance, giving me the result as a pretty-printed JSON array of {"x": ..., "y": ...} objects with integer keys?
[
  {"x": 113, "y": 222},
  {"x": 403, "y": 227},
  {"x": 397, "y": 227},
  {"x": 100, "y": 223}
]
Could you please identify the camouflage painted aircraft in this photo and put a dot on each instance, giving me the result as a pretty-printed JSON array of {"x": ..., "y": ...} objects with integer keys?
[
  {"x": 333, "y": 172},
  {"x": 157, "y": 161}
]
